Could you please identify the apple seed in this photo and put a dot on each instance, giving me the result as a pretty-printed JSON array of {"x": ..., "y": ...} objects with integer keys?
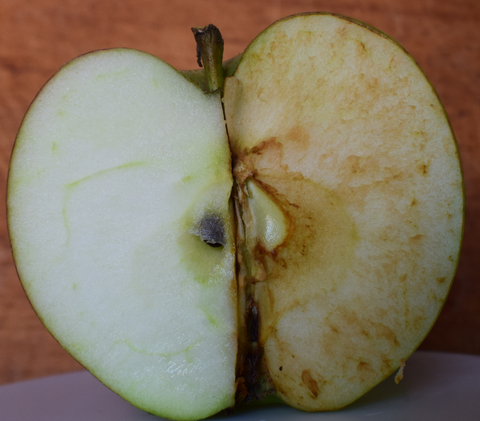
[{"x": 212, "y": 231}]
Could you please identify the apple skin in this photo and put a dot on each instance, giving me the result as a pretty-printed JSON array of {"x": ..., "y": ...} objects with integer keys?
[{"x": 346, "y": 219}]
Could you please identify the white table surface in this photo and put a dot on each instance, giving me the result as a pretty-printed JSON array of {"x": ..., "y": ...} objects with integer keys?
[{"x": 436, "y": 386}]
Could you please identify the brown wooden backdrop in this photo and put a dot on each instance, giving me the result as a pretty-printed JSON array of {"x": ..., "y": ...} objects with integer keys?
[{"x": 37, "y": 37}]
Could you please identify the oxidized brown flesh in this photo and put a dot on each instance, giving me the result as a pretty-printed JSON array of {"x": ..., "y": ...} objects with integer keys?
[{"x": 354, "y": 147}]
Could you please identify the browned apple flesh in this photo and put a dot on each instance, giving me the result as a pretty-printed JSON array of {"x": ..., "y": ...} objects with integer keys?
[{"x": 340, "y": 130}]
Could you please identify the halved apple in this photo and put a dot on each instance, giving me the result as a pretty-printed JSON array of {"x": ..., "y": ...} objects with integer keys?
[
  {"x": 120, "y": 170},
  {"x": 314, "y": 280}
]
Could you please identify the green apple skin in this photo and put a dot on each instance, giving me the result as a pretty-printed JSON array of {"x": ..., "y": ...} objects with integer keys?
[{"x": 345, "y": 221}]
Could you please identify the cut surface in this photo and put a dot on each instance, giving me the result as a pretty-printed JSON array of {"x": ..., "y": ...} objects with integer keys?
[
  {"x": 344, "y": 132},
  {"x": 119, "y": 188}
]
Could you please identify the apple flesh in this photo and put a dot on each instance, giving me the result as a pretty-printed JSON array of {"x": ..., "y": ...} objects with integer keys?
[
  {"x": 120, "y": 177},
  {"x": 340, "y": 127},
  {"x": 305, "y": 255}
]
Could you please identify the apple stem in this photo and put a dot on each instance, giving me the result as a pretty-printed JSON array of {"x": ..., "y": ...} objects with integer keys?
[{"x": 210, "y": 52}]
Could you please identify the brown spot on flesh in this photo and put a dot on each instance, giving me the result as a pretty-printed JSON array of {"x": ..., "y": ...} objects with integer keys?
[
  {"x": 353, "y": 164},
  {"x": 300, "y": 136},
  {"x": 417, "y": 322},
  {"x": 383, "y": 331},
  {"x": 387, "y": 364},
  {"x": 441, "y": 280},
  {"x": 308, "y": 381},
  {"x": 348, "y": 333},
  {"x": 423, "y": 168},
  {"x": 262, "y": 157},
  {"x": 365, "y": 372},
  {"x": 264, "y": 146}
]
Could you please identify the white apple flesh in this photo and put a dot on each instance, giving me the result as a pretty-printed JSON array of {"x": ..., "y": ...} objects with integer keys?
[
  {"x": 117, "y": 166},
  {"x": 314, "y": 280}
]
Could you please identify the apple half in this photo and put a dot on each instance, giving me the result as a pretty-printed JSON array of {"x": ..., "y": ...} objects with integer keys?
[{"x": 305, "y": 254}]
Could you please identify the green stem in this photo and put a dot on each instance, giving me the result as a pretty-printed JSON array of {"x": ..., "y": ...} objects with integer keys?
[{"x": 210, "y": 53}]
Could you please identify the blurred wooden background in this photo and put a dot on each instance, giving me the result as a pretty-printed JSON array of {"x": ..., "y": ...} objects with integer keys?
[{"x": 37, "y": 37}]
